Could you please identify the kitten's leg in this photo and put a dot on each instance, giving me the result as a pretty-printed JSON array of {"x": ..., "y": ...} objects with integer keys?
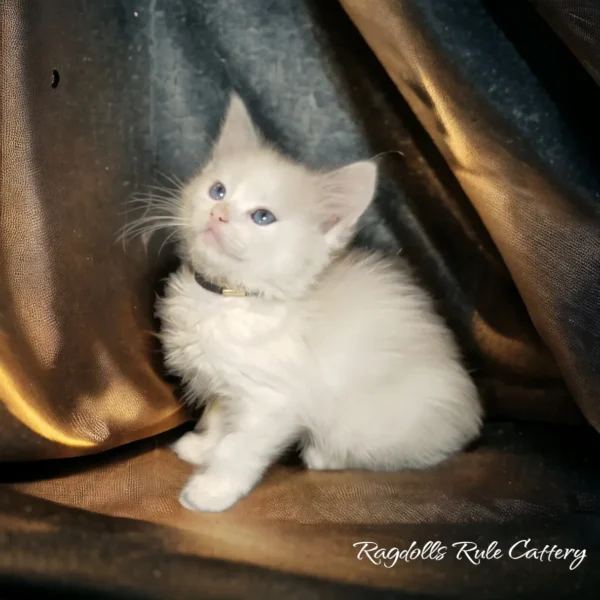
[
  {"x": 241, "y": 458},
  {"x": 317, "y": 460},
  {"x": 197, "y": 446}
]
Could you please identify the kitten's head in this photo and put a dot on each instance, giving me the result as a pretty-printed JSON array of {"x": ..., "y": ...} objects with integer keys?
[{"x": 258, "y": 220}]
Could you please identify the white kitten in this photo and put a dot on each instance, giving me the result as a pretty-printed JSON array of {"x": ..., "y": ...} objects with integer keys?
[{"x": 337, "y": 350}]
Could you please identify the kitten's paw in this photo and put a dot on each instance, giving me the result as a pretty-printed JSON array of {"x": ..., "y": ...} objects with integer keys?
[
  {"x": 211, "y": 492},
  {"x": 316, "y": 460},
  {"x": 192, "y": 447}
]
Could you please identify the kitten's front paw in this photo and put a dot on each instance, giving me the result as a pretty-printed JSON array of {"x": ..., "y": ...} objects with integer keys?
[
  {"x": 193, "y": 448},
  {"x": 315, "y": 459},
  {"x": 211, "y": 492}
]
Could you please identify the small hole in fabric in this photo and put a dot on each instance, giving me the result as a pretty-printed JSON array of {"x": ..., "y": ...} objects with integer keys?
[{"x": 55, "y": 78}]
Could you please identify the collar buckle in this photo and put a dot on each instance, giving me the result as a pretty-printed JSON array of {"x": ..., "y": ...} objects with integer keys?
[{"x": 231, "y": 293}]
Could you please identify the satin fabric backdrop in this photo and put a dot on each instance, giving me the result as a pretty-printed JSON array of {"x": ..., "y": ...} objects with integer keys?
[{"x": 493, "y": 201}]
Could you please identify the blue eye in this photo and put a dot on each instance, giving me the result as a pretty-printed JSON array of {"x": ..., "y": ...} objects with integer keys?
[
  {"x": 263, "y": 217},
  {"x": 217, "y": 191}
]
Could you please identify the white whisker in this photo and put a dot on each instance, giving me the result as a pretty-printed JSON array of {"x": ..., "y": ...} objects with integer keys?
[
  {"x": 173, "y": 180},
  {"x": 150, "y": 199},
  {"x": 167, "y": 191},
  {"x": 149, "y": 225},
  {"x": 166, "y": 241}
]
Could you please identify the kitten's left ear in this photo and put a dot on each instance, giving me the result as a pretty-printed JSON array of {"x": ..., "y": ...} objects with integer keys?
[
  {"x": 345, "y": 195},
  {"x": 238, "y": 132}
]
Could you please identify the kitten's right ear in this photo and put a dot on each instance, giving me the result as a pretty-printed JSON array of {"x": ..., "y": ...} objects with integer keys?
[{"x": 238, "y": 132}]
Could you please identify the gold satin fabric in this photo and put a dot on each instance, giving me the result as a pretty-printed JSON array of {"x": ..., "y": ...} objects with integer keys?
[
  {"x": 296, "y": 522},
  {"x": 78, "y": 360},
  {"x": 80, "y": 373}
]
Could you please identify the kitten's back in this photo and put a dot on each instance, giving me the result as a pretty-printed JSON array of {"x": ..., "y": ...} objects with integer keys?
[
  {"x": 364, "y": 296},
  {"x": 390, "y": 363}
]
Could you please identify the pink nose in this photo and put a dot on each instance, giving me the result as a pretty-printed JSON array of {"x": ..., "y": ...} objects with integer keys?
[{"x": 219, "y": 213}]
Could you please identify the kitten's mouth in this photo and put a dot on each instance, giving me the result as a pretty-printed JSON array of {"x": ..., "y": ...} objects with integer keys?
[{"x": 212, "y": 238}]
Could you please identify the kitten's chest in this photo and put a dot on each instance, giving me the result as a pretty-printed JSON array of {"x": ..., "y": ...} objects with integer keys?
[{"x": 222, "y": 338}]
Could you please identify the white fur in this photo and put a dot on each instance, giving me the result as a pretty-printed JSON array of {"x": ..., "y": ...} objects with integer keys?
[{"x": 340, "y": 351}]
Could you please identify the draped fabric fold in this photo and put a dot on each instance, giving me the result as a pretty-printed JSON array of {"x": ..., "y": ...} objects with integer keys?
[
  {"x": 524, "y": 169},
  {"x": 77, "y": 353}
]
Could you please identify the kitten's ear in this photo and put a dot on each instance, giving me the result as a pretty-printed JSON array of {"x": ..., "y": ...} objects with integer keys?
[
  {"x": 238, "y": 132},
  {"x": 345, "y": 195}
]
